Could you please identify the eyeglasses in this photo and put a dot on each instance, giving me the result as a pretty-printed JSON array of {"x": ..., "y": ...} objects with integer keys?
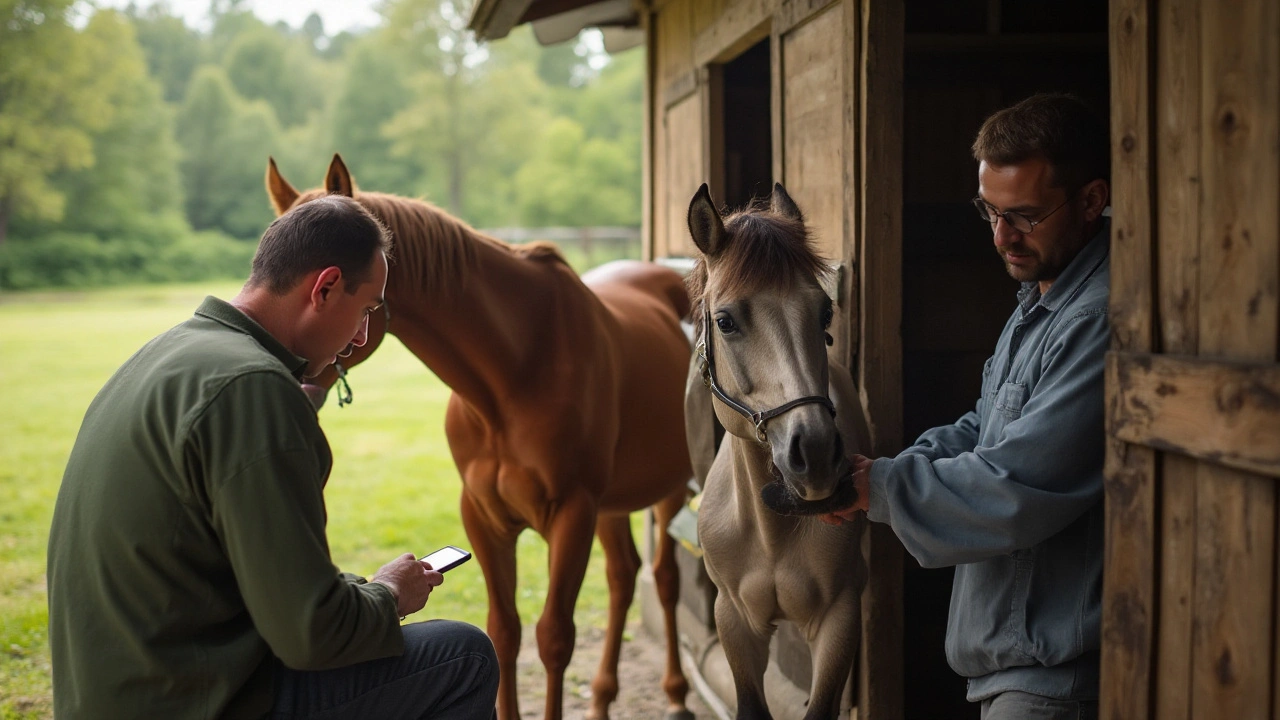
[{"x": 1017, "y": 221}]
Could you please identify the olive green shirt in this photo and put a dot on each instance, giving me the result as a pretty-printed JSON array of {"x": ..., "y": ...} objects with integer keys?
[{"x": 188, "y": 541}]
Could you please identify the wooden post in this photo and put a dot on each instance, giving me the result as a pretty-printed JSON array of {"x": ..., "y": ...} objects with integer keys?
[
  {"x": 1128, "y": 602},
  {"x": 879, "y": 371},
  {"x": 1178, "y": 177},
  {"x": 1233, "y": 602}
]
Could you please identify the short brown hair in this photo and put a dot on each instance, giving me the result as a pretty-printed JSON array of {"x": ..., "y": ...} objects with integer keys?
[
  {"x": 333, "y": 230},
  {"x": 1056, "y": 126}
]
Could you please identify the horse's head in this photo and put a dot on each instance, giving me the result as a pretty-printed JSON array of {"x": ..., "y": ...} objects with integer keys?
[
  {"x": 763, "y": 316},
  {"x": 283, "y": 196}
]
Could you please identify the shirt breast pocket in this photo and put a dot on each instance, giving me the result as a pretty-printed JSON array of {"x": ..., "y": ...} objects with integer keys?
[{"x": 1010, "y": 399}]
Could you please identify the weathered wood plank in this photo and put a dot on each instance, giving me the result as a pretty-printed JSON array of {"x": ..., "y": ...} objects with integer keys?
[
  {"x": 1234, "y": 610},
  {"x": 879, "y": 369},
  {"x": 1226, "y": 413},
  {"x": 684, "y": 170},
  {"x": 648, "y": 239},
  {"x": 813, "y": 88},
  {"x": 675, "y": 41},
  {"x": 793, "y": 13},
  {"x": 735, "y": 30},
  {"x": 1178, "y": 228},
  {"x": 1128, "y": 602}
]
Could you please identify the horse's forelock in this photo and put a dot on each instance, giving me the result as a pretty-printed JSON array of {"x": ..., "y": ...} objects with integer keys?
[{"x": 763, "y": 250}]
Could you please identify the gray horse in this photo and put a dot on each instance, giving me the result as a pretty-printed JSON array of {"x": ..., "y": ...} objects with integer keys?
[{"x": 792, "y": 419}]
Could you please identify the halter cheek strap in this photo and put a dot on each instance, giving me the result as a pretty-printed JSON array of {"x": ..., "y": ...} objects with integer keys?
[{"x": 707, "y": 358}]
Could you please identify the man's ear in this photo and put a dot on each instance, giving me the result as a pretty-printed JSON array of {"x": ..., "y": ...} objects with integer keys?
[
  {"x": 326, "y": 283},
  {"x": 1096, "y": 195}
]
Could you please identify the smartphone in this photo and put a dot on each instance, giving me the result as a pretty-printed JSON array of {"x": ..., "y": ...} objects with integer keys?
[{"x": 446, "y": 558}]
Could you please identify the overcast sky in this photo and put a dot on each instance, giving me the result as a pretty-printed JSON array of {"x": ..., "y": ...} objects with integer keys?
[{"x": 338, "y": 15}]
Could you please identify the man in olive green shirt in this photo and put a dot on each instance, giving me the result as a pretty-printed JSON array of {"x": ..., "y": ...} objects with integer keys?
[{"x": 189, "y": 573}]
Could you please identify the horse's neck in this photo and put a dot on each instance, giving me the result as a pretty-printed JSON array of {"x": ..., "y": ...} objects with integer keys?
[
  {"x": 478, "y": 336},
  {"x": 752, "y": 470}
]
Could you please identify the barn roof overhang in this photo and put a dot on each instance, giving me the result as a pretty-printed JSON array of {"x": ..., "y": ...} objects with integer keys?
[{"x": 555, "y": 21}]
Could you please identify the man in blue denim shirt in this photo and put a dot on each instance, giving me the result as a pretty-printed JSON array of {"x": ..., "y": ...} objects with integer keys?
[{"x": 1011, "y": 494}]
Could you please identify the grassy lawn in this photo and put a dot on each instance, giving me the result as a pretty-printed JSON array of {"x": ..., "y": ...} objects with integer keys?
[{"x": 394, "y": 488}]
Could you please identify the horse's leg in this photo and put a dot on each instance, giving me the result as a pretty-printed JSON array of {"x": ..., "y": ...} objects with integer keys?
[
  {"x": 833, "y": 643},
  {"x": 622, "y": 562},
  {"x": 568, "y": 548},
  {"x": 666, "y": 579},
  {"x": 748, "y": 654},
  {"x": 495, "y": 550}
]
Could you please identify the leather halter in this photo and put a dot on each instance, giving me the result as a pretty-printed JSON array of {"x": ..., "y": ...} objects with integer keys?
[{"x": 707, "y": 358}]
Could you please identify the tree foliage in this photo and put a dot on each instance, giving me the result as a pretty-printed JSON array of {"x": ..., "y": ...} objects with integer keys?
[{"x": 125, "y": 135}]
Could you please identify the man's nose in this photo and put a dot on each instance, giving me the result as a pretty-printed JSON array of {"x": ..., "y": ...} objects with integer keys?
[
  {"x": 362, "y": 334},
  {"x": 1004, "y": 233}
]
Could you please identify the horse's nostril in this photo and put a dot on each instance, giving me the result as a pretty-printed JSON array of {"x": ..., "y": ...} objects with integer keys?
[{"x": 795, "y": 454}]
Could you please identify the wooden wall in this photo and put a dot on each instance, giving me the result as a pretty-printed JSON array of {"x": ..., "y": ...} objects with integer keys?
[{"x": 1190, "y": 594}]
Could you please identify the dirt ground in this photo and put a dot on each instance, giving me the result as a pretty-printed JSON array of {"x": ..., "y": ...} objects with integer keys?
[{"x": 640, "y": 695}]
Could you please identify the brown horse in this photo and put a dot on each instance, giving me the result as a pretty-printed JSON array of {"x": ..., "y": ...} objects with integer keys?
[
  {"x": 791, "y": 416},
  {"x": 566, "y": 415}
]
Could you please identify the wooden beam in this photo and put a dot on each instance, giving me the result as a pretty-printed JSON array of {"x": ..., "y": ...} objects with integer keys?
[
  {"x": 1225, "y": 413},
  {"x": 794, "y": 13},
  {"x": 1128, "y": 597},
  {"x": 733, "y": 32}
]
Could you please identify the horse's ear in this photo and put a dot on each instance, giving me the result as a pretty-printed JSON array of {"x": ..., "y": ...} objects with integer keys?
[
  {"x": 279, "y": 190},
  {"x": 705, "y": 224},
  {"x": 338, "y": 180},
  {"x": 781, "y": 203}
]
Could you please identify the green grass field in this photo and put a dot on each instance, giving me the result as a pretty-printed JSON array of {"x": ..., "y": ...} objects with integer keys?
[{"x": 393, "y": 489}]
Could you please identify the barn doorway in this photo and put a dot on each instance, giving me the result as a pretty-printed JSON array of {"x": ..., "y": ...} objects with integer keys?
[
  {"x": 745, "y": 126},
  {"x": 963, "y": 60}
]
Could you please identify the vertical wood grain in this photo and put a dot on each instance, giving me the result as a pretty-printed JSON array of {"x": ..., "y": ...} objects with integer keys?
[{"x": 1128, "y": 603}]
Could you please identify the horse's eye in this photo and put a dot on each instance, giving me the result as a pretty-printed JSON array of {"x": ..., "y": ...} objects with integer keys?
[
  {"x": 827, "y": 315},
  {"x": 726, "y": 325}
]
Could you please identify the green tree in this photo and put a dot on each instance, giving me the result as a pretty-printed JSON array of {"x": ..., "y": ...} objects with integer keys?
[
  {"x": 264, "y": 64},
  {"x": 225, "y": 142},
  {"x": 173, "y": 50},
  {"x": 374, "y": 91},
  {"x": 51, "y": 100},
  {"x": 575, "y": 181},
  {"x": 133, "y": 183},
  {"x": 472, "y": 110}
]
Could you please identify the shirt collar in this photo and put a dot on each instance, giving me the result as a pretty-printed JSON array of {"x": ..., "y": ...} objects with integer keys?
[
  {"x": 227, "y": 314},
  {"x": 1080, "y": 269}
]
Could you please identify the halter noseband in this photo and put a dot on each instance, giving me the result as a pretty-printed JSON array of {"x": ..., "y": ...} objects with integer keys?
[{"x": 707, "y": 356}]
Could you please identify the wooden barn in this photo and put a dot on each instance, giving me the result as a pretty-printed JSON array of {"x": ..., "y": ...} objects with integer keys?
[{"x": 865, "y": 110}]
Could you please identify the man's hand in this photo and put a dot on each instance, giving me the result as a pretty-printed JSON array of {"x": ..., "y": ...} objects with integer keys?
[
  {"x": 410, "y": 581},
  {"x": 862, "y": 484}
]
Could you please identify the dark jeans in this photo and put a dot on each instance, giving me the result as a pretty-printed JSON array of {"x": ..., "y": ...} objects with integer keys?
[
  {"x": 448, "y": 672},
  {"x": 1014, "y": 705}
]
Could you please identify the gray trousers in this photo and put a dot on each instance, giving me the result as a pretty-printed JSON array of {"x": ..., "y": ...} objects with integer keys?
[
  {"x": 448, "y": 671},
  {"x": 1015, "y": 705}
]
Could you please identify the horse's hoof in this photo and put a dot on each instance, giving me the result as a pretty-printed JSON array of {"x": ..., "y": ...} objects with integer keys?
[{"x": 678, "y": 715}]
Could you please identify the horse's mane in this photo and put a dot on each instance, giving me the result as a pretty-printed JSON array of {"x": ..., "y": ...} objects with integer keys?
[
  {"x": 762, "y": 250},
  {"x": 434, "y": 248}
]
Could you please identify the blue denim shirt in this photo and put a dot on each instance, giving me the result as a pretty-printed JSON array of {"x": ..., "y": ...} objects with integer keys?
[{"x": 1011, "y": 494}]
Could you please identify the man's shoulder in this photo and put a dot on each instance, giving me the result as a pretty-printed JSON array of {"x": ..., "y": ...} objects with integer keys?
[
  {"x": 1093, "y": 297},
  {"x": 217, "y": 349}
]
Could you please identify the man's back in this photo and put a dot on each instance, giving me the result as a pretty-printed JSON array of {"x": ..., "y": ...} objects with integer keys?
[{"x": 146, "y": 615}]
